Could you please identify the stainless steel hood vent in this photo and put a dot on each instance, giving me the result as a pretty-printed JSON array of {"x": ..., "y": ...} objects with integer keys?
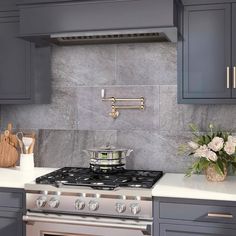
[{"x": 149, "y": 35}]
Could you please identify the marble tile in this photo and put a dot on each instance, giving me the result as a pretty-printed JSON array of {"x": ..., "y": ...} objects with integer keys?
[
  {"x": 93, "y": 113},
  {"x": 58, "y": 148},
  {"x": 87, "y": 65},
  {"x": 60, "y": 114},
  {"x": 146, "y": 64},
  {"x": 177, "y": 117},
  {"x": 90, "y": 139},
  {"x": 154, "y": 150},
  {"x": 222, "y": 116},
  {"x": 55, "y": 148}
]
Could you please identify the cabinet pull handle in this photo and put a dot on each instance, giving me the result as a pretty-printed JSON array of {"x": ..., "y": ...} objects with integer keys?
[
  {"x": 234, "y": 77},
  {"x": 227, "y": 77},
  {"x": 220, "y": 215}
]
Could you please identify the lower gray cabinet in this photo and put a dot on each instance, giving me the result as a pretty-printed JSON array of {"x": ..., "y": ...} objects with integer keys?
[
  {"x": 186, "y": 230},
  {"x": 11, "y": 223},
  {"x": 192, "y": 217},
  {"x": 12, "y": 207}
]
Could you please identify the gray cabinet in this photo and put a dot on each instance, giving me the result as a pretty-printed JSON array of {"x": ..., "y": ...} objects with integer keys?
[
  {"x": 15, "y": 80},
  {"x": 19, "y": 70},
  {"x": 206, "y": 54},
  {"x": 11, "y": 224},
  {"x": 191, "y": 217},
  {"x": 234, "y": 48},
  {"x": 11, "y": 212},
  {"x": 183, "y": 230}
]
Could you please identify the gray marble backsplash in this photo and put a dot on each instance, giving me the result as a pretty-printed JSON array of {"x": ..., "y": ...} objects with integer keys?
[{"x": 77, "y": 119}]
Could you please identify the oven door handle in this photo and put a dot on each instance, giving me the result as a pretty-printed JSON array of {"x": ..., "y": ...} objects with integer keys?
[{"x": 146, "y": 228}]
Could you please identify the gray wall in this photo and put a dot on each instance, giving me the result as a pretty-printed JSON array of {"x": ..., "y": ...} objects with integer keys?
[{"x": 77, "y": 118}]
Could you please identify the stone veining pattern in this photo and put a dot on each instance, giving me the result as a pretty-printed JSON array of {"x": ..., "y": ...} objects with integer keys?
[{"x": 77, "y": 118}]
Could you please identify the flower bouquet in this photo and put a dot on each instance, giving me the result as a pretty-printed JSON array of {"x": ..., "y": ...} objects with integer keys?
[{"x": 213, "y": 152}]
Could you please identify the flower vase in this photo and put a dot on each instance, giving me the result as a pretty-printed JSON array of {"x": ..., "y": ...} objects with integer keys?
[{"x": 213, "y": 176}]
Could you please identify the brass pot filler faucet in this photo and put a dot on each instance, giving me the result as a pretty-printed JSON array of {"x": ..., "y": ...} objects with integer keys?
[{"x": 116, "y": 107}]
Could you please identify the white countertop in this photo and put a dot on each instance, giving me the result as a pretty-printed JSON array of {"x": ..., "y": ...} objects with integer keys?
[
  {"x": 15, "y": 178},
  {"x": 195, "y": 187},
  {"x": 170, "y": 185}
]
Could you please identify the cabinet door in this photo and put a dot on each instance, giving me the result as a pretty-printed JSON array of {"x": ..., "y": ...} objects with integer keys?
[
  {"x": 14, "y": 62},
  {"x": 206, "y": 52},
  {"x": 183, "y": 230},
  {"x": 234, "y": 48},
  {"x": 11, "y": 224}
]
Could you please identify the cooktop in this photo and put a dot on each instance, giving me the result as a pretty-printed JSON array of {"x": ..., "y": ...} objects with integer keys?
[{"x": 75, "y": 176}]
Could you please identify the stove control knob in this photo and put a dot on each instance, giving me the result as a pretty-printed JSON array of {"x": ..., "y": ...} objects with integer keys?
[
  {"x": 41, "y": 202},
  {"x": 135, "y": 208},
  {"x": 93, "y": 205},
  {"x": 120, "y": 207},
  {"x": 54, "y": 203},
  {"x": 79, "y": 205}
]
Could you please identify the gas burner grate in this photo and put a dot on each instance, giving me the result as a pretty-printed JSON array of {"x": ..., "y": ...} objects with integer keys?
[{"x": 73, "y": 176}]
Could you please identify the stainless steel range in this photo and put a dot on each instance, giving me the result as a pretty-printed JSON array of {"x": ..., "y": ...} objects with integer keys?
[{"x": 79, "y": 202}]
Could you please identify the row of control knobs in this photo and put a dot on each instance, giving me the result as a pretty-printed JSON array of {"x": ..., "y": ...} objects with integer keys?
[{"x": 93, "y": 205}]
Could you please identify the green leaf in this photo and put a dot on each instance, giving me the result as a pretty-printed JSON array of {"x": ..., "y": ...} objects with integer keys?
[
  {"x": 221, "y": 165},
  {"x": 193, "y": 127},
  {"x": 217, "y": 168},
  {"x": 233, "y": 164},
  {"x": 207, "y": 139},
  {"x": 203, "y": 164}
]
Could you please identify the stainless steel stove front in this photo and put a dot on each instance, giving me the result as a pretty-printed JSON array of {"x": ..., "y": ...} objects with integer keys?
[
  {"x": 87, "y": 212},
  {"x": 97, "y": 204},
  {"x": 40, "y": 224}
]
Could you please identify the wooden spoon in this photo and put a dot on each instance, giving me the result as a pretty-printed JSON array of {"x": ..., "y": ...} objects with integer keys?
[
  {"x": 19, "y": 137},
  {"x": 31, "y": 148}
]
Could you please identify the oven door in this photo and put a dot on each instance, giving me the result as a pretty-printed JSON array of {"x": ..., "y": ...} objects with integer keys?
[{"x": 39, "y": 224}]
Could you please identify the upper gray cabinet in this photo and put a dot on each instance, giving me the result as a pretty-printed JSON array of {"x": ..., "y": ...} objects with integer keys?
[
  {"x": 207, "y": 54},
  {"x": 234, "y": 48},
  {"x": 24, "y": 68}
]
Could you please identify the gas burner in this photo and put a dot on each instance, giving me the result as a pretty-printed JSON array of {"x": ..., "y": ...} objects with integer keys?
[
  {"x": 68, "y": 176},
  {"x": 135, "y": 185}
]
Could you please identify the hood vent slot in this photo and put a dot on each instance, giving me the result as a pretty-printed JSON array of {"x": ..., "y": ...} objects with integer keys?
[{"x": 109, "y": 38}]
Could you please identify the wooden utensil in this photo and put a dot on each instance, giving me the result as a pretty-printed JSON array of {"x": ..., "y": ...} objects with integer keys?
[
  {"x": 19, "y": 137},
  {"x": 31, "y": 148}
]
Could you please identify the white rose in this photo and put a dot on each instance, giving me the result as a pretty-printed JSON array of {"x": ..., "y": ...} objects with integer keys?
[
  {"x": 211, "y": 156},
  {"x": 201, "y": 151},
  {"x": 193, "y": 145},
  {"x": 232, "y": 139},
  {"x": 216, "y": 144},
  {"x": 229, "y": 148}
]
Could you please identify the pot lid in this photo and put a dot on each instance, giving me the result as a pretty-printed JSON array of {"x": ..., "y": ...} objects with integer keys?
[{"x": 107, "y": 148}]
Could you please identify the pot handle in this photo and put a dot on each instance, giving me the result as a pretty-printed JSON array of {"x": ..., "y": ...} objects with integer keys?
[{"x": 129, "y": 152}]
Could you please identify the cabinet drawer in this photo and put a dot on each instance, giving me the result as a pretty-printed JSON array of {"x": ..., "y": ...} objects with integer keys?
[
  {"x": 11, "y": 199},
  {"x": 197, "y": 212}
]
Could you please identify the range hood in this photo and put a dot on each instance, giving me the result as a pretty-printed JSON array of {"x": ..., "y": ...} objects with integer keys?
[{"x": 99, "y": 21}]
